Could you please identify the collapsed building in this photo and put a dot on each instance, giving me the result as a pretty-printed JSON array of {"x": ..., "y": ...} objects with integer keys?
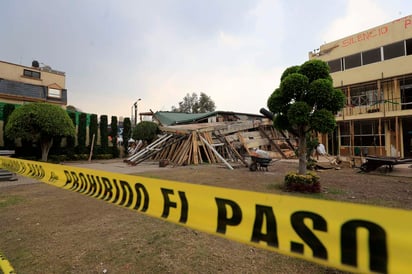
[{"x": 213, "y": 137}]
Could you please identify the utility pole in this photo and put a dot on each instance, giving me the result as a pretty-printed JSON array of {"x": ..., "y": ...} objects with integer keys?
[{"x": 135, "y": 111}]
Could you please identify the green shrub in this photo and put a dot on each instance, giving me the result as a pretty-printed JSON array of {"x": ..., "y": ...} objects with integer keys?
[
  {"x": 145, "y": 131},
  {"x": 302, "y": 183}
]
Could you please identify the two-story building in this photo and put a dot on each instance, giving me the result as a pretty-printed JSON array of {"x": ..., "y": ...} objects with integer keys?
[
  {"x": 374, "y": 70},
  {"x": 20, "y": 84}
]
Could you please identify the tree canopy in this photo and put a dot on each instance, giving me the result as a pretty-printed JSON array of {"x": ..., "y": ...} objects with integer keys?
[
  {"x": 145, "y": 131},
  {"x": 39, "y": 122},
  {"x": 195, "y": 104},
  {"x": 306, "y": 101}
]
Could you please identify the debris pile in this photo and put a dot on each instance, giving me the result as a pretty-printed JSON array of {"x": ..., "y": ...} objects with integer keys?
[{"x": 219, "y": 142}]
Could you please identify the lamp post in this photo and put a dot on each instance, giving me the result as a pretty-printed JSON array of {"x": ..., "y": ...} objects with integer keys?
[
  {"x": 135, "y": 111},
  {"x": 131, "y": 114}
]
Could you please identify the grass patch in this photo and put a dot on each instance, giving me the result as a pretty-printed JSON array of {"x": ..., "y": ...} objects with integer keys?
[
  {"x": 335, "y": 191},
  {"x": 275, "y": 186},
  {"x": 6, "y": 201}
]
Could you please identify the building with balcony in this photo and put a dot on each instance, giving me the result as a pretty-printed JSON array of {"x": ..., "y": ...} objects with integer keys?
[{"x": 374, "y": 70}]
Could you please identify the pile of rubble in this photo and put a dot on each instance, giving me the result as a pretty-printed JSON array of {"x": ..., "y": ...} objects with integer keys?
[{"x": 219, "y": 142}]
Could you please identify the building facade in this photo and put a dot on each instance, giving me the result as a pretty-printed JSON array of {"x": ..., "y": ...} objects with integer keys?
[
  {"x": 374, "y": 70},
  {"x": 21, "y": 84}
]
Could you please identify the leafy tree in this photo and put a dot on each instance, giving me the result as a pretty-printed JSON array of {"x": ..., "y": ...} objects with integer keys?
[
  {"x": 194, "y": 104},
  {"x": 205, "y": 103},
  {"x": 103, "y": 133},
  {"x": 39, "y": 122},
  {"x": 145, "y": 131},
  {"x": 306, "y": 101}
]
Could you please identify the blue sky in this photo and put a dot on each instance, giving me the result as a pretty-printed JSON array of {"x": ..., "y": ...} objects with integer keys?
[{"x": 116, "y": 51}]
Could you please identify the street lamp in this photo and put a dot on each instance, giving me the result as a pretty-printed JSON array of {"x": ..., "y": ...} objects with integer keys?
[{"x": 135, "y": 111}]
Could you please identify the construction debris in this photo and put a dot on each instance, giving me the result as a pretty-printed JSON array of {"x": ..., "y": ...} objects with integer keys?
[{"x": 219, "y": 142}]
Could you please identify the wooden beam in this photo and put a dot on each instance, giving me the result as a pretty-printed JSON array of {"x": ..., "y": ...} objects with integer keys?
[
  {"x": 217, "y": 153},
  {"x": 272, "y": 142}
]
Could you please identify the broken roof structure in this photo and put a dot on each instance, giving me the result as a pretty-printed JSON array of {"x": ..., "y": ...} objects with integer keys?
[{"x": 213, "y": 137}]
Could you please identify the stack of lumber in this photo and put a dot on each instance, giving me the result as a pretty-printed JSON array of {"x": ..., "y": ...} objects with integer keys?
[{"x": 219, "y": 142}]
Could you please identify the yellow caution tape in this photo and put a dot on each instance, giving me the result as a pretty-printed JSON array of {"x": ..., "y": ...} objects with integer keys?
[
  {"x": 350, "y": 237},
  {"x": 5, "y": 265}
]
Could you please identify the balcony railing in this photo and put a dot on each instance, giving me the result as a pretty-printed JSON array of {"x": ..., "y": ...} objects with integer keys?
[{"x": 383, "y": 106}]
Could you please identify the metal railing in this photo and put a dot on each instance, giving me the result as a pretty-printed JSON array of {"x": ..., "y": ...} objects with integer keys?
[{"x": 385, "y": 106}]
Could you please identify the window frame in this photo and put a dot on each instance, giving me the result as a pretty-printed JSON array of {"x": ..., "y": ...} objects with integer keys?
[{"x": 32, "y": 74}]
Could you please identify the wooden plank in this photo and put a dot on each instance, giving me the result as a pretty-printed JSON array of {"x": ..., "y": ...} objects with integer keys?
[
  {"x": 208, "y": 138},
  {"x": 184, "y": 152},
  {"x": 205, "y": 150},
  {"x": 256, "y": 143},
  {"x": 217, "y": 154},
  {"x": 178, "y": 150},
  {"x": 251, "y": 134},
  {"x": 237, "y": 153},
  {"x": 242, "y": 141},
  {"x": 263, "y": 132},
  {"x": 195, "y": 148}
]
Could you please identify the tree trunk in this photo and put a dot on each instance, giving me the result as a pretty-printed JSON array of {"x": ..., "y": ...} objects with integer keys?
[
  {"x": 302, "y": 150},
  {"x": 45, "y": 148}
]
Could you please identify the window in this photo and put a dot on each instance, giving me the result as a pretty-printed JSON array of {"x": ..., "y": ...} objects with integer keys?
[
  {"x": 54, "y": 93},
  {"x": 345, "y": 134},
  {"x": 409, "y": 47},
  {"x": 31, "y": 73},
  {"x": 353, "y": 61},
  {"x": 371, "y": 56},
  {"x": 366, "y": 133},
  {"x": 365, "y": 95},
  {"x": 335, "y": 65},
  {"x": 394, "y": 50}
]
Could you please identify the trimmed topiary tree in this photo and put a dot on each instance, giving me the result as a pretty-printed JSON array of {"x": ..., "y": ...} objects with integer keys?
[
  {"x": 113, "y": 134},
  {"x": 306, "y": 102},
  {"x": 93, "y": 128},
  {"x": 127, "y": 132},
  {"x": 81, "y": 133},
  {"x": 7, "y": 110},
  {"x": 104, "y": 142},
  {"x": 39, "y": 122}
]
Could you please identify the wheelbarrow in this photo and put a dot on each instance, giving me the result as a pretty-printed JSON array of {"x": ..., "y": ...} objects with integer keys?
[{"x": 259, "y": 163}]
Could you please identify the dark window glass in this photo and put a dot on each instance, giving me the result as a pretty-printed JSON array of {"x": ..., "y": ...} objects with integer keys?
[
  {"x": 31, "y": 73},
  {"x": 409, "y": 47},
  {"x": 335, "y": 65},
  {"x": 394, "y": 50},
  {"x": 345, "y": 141},
  {"x": 344, "y": 129},
  {"x": 371, "y": 56},
  {"x": 352, "y": 61}
]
